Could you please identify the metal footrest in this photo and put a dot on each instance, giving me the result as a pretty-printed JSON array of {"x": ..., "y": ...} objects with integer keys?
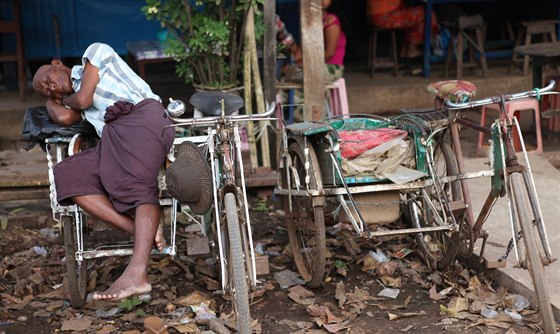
[{"x": 98, "y": 253}]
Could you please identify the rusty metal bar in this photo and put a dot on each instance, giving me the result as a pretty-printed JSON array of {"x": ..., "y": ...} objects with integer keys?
[
  {"x": 484, "y": 212},
  {"x": 385, "y": 187},
  {"x": 473, "y": 125},
  {"x": 410, "y": 230},
  {"x": 456, "y": 140}
]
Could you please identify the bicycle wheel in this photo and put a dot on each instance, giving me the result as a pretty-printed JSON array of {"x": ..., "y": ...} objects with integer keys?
[
  {"x": 236, "y": 267},
  {"x": 534, "y": 261},
  {"x": 436, "y": 247},
  {"x": 306, "y": 228},
  {"x": 76, "y": 273}
]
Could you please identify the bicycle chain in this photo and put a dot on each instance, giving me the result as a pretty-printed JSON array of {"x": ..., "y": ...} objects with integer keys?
[
  {"x": 509, "y": 246},
  {"x": 465, "y": 244}
]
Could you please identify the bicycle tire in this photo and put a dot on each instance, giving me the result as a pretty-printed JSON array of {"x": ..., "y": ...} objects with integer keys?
[
  {"x": 308, "y": 241},
  {"x": 534, "y": 263},
  {"x": 441, "y": 253},
  {"x": 76, "y": 273},
  {"x": 236, "y": 264}
]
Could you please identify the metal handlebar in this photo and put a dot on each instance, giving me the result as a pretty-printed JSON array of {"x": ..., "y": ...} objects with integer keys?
[
  {"x": 496, "y": 99},
  {"x": 230, "y": 118}
]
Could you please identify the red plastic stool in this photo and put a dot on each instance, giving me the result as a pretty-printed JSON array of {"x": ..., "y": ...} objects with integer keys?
[
  {"x": 338, "y": 99},
  {"x": 551, "y": 104},
  {"x": 513, "y": 109}
]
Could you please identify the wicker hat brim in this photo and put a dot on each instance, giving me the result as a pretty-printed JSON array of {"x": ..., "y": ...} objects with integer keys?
[{"x": 189, "y": 178}]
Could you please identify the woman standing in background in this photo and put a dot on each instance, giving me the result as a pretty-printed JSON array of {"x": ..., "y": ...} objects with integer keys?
[{"x": 334, "y": 38}]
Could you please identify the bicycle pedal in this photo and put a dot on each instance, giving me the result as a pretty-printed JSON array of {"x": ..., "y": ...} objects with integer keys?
[{"x": 166, "y": 251}]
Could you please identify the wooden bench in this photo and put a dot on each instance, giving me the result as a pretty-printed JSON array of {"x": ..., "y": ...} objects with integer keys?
[
  {"x": 145, "y": 52},
  {"x": 529, "y": 29}
]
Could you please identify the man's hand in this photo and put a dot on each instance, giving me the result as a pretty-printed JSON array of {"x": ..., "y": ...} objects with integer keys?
[
  {"x": 60, "y": 114},
  {"x": 57, "y": 100},
  {"x": 83, "y": 98}
]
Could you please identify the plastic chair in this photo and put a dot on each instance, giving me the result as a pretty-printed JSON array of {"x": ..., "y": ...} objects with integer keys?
[
  {"x": 513, "y": 109},
  {"x": 338, "y": 99},
  {"x": 337, "y": 102}
]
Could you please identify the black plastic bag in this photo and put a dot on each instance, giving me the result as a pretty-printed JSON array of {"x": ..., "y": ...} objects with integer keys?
[{"x": 37, "y": 126}]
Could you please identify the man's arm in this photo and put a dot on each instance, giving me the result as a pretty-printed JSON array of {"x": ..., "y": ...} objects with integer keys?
[
  {"x": 60, "y": 114},
  {"x": 83, "y": 98}
]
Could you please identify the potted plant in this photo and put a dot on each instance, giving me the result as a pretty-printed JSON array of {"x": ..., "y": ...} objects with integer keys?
[{"x": 204, "y": 37}]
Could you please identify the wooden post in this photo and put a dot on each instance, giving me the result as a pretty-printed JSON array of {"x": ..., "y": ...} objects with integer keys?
[
  {"x": 269, "y": 51},
  {"x": 313, "y": 56}
]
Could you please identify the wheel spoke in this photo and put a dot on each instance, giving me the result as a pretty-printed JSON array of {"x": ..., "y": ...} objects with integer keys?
[
  {"x": 430, "y": 208},
  {"x": 306, "y": 227}
]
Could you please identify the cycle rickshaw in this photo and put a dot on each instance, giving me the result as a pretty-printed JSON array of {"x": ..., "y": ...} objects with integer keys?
[
  {"x": 318, "y": 179},
  {"x": 226, "y": 227}
]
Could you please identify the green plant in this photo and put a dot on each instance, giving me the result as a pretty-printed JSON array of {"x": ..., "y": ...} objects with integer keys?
[
  {"x": 262, "y": 206},
  {"x": 204, "y": 37},
  {"x": 129, "y": 303}
]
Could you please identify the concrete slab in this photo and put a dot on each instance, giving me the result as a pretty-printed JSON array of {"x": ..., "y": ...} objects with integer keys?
[
  {"x": 385, "y": 93},
  {"x": 23, "y": 169},
  {"x": 547, "y": 182}
]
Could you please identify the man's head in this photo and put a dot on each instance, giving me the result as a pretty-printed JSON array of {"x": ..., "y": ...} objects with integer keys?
[{"x": 53, "y": 80}]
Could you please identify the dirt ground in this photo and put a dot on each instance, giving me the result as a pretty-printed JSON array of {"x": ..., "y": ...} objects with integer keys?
[{"x": 456, "y": 300}]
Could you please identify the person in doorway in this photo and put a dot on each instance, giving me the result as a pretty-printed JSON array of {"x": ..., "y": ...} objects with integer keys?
[
  {"x": 394, "y": 14},
  {"x": 335, "y": 38},
  {"x": 120, "y": 173},
  {"x": 335, "y": 28}
]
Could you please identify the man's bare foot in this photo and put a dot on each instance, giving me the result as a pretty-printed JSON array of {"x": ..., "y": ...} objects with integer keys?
[
  {"x": 159, "y": 240},
  {"x": 121, "y": 289}
]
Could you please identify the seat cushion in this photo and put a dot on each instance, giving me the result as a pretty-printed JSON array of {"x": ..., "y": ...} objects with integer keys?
[{"x": 456, "y": 91}]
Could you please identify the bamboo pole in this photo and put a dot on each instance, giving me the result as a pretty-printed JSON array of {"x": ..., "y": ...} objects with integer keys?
[
  {"x": 253, "y": 158},
  {"x": 250, "y": 38}
]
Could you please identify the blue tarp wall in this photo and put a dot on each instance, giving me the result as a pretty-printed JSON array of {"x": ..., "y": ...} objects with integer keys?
[{"x": 81, "y": 23}]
